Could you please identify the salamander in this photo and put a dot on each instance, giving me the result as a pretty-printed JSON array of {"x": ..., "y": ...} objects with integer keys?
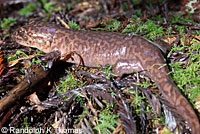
[{"x": 125, "y": 53}]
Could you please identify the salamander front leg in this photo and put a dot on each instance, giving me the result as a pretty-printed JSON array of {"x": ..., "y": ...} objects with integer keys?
[
  {"x": 76, "y": 58},
  {"x": 71, "y": 56}
]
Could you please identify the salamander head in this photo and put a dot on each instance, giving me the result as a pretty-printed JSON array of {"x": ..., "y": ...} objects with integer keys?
[
  {"x": 34, "y": 36},
  {"x": 21, "y": 37}
]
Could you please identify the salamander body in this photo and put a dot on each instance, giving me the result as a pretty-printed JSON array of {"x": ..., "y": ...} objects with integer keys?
[{"x": 126, "y": 53}]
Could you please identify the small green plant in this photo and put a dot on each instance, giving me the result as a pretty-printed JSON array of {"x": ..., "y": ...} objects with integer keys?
[
  {"x": 26, "y": 124},
  {"x": 137, "y": 100},
  {"x": 187, "y": 77},
  {"x": 138, "y": 12},
  {"x": 125, "y": 6},
  {"x": 175, "y": 18},
  {"x": 80, "y": 99},
  {"x": 177, "y": 47},
  {"x": 7, "y": 22},
  {"x": 49, "y": 6},
  {"x": 28, "y": 9},
  {"x": 36, "y": 61},
  {"x": 149, "y": 29},
  {"x": 107, "y": 70},
  {"x": 157, "y": 18},
  {"x": 69, "y": 82},
  {"x": 112, "y": 24},
  {"x": 18, "y": 52},
  {"x": 39, "y": 52},
  {"x": 152, "y": 30},
  {"x": 181, "y": 29},
  {"x": 146, "y": 83},
  {"x": 107, "y": 122},
  {"x": 74, "y": 25},
  {"x": 129, "y": 28}
]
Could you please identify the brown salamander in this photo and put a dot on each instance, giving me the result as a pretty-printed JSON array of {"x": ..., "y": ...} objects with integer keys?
[{"x": 126, "y": 53}]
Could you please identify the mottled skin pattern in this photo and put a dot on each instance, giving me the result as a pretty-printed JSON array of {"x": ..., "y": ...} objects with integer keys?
[{"x": 126, "y": 53}]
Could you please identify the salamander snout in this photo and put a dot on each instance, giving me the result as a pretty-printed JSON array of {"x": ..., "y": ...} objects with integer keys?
[{"x": 20, "y": 36}]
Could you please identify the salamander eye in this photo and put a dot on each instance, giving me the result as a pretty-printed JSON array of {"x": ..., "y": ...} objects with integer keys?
[{"x": 21, "y": 33}]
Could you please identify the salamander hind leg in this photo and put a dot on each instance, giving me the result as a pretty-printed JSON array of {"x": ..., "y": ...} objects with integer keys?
[{"x": 124, "y": 66}]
